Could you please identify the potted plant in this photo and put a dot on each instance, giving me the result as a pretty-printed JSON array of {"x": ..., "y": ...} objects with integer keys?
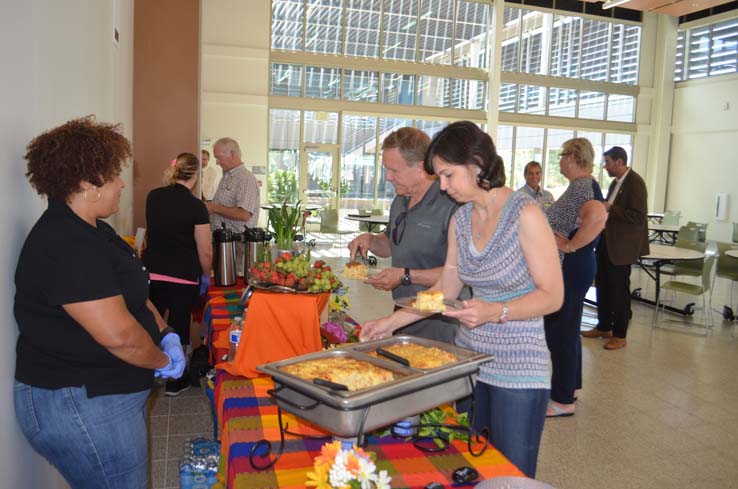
[{"x": 285, "y": 222}]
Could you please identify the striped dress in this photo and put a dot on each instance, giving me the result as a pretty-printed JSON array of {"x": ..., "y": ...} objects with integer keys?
[{"x": 496, "y": 274}]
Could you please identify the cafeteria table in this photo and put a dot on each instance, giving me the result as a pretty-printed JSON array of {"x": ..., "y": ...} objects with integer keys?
[
  {"x": 246, "y": 415},
  {"x": 661, "y": 255},
  {"x": 371, "y": 220},
  {"x": 663, "y": 233},
  {"x": 655, "y": 217}
]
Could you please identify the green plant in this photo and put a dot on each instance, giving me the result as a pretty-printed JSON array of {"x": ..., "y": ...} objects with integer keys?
[
  {"x": 285, "y": 222},
  {"x": 432, "y": 425},
  {"x": 282, "y": 186}
]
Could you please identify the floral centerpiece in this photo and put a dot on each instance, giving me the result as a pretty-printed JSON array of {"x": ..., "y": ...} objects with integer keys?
[
  {"x": 338, "y": 468},
  {"x": 336, "y": 329}
]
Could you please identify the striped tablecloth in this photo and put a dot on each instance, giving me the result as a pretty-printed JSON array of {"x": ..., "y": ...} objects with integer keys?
[{"x": 246, "y": 414}]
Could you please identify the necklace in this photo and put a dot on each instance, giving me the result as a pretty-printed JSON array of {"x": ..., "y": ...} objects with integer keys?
[{"x": 478, "y": 235}]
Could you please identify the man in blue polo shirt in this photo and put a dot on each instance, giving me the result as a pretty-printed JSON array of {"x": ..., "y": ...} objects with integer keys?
[{"x": 417, "y": 234}]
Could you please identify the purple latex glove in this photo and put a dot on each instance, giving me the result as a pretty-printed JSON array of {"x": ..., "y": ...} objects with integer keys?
[
  {"x": 204, "y": 284},
  {"x": 172, "y": 348}
]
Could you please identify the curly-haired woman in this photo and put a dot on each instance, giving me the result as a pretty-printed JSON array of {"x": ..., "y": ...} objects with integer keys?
[
  {"x": 179, "y": 251},
  {"x": 499, "y": 244},
  {"x": 89, "y": 338}
]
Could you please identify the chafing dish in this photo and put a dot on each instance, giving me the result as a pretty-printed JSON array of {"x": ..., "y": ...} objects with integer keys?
[{"x": 351, "y": 413}]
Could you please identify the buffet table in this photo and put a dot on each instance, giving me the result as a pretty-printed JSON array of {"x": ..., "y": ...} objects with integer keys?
[{"x": 246, "y": 414}]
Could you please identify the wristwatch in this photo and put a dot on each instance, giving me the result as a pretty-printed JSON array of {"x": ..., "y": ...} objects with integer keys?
[
  {"x": 504, "y": 315},
  {"x": 405, "y": 280},
  {"x": 165, "y": 332}
]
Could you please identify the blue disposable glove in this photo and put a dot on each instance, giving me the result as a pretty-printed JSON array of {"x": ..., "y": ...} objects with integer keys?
[
  {"x": 177, "y": 363},
  {"x": 204, "y": 284}
]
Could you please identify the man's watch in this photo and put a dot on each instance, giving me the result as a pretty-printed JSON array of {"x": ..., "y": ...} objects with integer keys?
[
  {"x": 405, "y": 280},
  {"x": 165, "y": 332}
]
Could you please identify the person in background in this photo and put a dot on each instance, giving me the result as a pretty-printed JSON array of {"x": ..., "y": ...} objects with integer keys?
[
  {"x": 210, "y": 176},
  {"x": 501, "y": 245},
  {"x": 90, "y": 341},
  {"x": 624, "y": 241},
  {"x": 417, "y": 235},
  {"x": 236, "y": 201},
  {"x": 577, "y": 218},
  {"x": 179, "y": 251},
  {"x": 533, "y": 174}
]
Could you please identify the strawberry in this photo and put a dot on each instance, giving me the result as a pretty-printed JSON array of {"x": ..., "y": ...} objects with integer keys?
[
  {"x": 319, "y": 264},
  {"x": 286, "y": 256}
]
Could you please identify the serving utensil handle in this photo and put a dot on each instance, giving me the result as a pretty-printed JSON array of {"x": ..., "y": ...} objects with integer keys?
[
  {"x": 397, "y": 358},
  {"x": 331, "y": 385}
]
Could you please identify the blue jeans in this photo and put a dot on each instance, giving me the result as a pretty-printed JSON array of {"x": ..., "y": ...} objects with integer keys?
[
  {"x": 95, "y": 443},
  {"x": 515, "y": 420}
]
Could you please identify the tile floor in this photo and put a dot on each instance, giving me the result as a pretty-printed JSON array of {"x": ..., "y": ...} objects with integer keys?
[{"x": 660, "y": 413}]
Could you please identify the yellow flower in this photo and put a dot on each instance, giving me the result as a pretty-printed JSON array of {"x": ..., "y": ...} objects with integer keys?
[{"x": 319, "y": 478}]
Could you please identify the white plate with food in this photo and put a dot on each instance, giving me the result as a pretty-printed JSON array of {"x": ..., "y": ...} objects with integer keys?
[{"x": 428, "y": 302}]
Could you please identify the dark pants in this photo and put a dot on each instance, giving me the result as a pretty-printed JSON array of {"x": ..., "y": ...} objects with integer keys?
[
  {"x": 613, "y": 294},
  {"x": 179, "y": 300},
  {"x": 562, "y": 327},
  {"x": 515, "y": 420}
]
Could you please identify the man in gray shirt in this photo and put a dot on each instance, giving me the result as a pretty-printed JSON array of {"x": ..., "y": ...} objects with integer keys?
[
  {"x": 236, "y": 200},
  {"x": 417, "y": 234}
]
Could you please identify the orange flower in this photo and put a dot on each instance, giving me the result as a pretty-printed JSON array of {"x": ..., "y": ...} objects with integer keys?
[{"x": 352, "y": 464}]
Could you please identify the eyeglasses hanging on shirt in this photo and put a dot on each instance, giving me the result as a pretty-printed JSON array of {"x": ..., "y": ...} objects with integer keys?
[{"x": 398, "y": 231}]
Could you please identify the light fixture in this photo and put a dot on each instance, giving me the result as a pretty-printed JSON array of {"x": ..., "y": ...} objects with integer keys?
[{"x": 613, "y": 3}]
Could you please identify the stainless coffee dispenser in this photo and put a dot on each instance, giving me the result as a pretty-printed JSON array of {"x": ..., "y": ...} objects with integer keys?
[
  {"x": 224, "y": 248},
  {"x": 256, "y": 242}
]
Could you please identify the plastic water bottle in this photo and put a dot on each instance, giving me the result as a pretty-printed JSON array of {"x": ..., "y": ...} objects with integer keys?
[{"x": 234, "y": 337}]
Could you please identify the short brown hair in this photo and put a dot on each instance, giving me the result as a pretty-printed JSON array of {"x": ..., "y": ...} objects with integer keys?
[
  {"x": 582, "y": 151},
  {"x": 412, "y": 143},
  {"x": 78, "y": 150},
  {"x": 464, "y": 143}
]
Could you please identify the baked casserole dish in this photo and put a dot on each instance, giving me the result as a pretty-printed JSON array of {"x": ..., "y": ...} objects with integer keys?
[{"x": 354, "y": 374}]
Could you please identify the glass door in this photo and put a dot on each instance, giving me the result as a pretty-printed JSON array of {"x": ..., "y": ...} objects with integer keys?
[{"x": 319, "y": 175}]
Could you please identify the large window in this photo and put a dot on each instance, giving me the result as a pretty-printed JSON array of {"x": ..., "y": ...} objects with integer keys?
[
  {"x": 406, "y": 30},
  {"x": 555, "y": 44},
  {"x": 707, "y": 50}
]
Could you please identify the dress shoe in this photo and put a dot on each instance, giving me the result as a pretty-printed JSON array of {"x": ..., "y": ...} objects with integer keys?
[
  {"x": 615, "y": 344},
  {"x": 596, "y": 333}
]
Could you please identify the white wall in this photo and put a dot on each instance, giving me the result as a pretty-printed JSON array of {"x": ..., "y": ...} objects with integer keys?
[
  {"x": 235, "y": 77},
  {"x": 704, "y": 160},
  {"x": 59, "y": 63}
]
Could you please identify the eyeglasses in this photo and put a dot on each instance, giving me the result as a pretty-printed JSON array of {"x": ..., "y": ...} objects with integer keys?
[{"x": 400, "y": 221}]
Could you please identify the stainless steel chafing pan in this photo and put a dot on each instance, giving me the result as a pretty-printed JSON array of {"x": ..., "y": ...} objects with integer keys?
[{"x": 350, "y": 413}]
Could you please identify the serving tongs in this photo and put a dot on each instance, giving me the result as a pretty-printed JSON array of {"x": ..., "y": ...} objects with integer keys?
[
  {"x": 397, "y": 358},
  {"x": 335, "y": 386},
  {"x": 359, "y": 256}
]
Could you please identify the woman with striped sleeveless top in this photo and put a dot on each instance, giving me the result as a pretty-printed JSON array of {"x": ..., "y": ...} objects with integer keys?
[{"x": 500, "y": 244}]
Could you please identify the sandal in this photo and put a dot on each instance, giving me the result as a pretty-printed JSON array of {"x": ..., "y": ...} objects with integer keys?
[{"x": 554, "y": 411}]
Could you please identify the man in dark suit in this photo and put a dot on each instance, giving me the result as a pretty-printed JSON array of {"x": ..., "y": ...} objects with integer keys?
[{"x": 623, "y": 241}]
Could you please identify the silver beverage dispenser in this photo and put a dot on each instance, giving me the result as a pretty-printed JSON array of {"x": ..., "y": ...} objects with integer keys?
[
  {"x": 224, "y": 265},
  {"x": 255, "y": 242}
]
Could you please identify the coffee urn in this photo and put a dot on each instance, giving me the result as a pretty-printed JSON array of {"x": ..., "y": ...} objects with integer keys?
[
  {"x": 255, "y": 242},
  {"x": 224, "y": 265}
]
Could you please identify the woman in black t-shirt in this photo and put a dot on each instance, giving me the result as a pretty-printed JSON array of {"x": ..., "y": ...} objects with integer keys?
[
  {"x": 88, "y": 349},
  {"x": 179, "y": 250}
]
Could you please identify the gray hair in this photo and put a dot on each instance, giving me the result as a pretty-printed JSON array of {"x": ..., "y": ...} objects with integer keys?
[{"x": 230, "y": 144}]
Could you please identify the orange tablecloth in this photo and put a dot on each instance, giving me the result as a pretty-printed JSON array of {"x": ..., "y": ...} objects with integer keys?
[{"x": 276, "y": 326}]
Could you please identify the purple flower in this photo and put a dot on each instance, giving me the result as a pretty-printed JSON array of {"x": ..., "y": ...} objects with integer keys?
[{"x": 336, "y": 330}]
